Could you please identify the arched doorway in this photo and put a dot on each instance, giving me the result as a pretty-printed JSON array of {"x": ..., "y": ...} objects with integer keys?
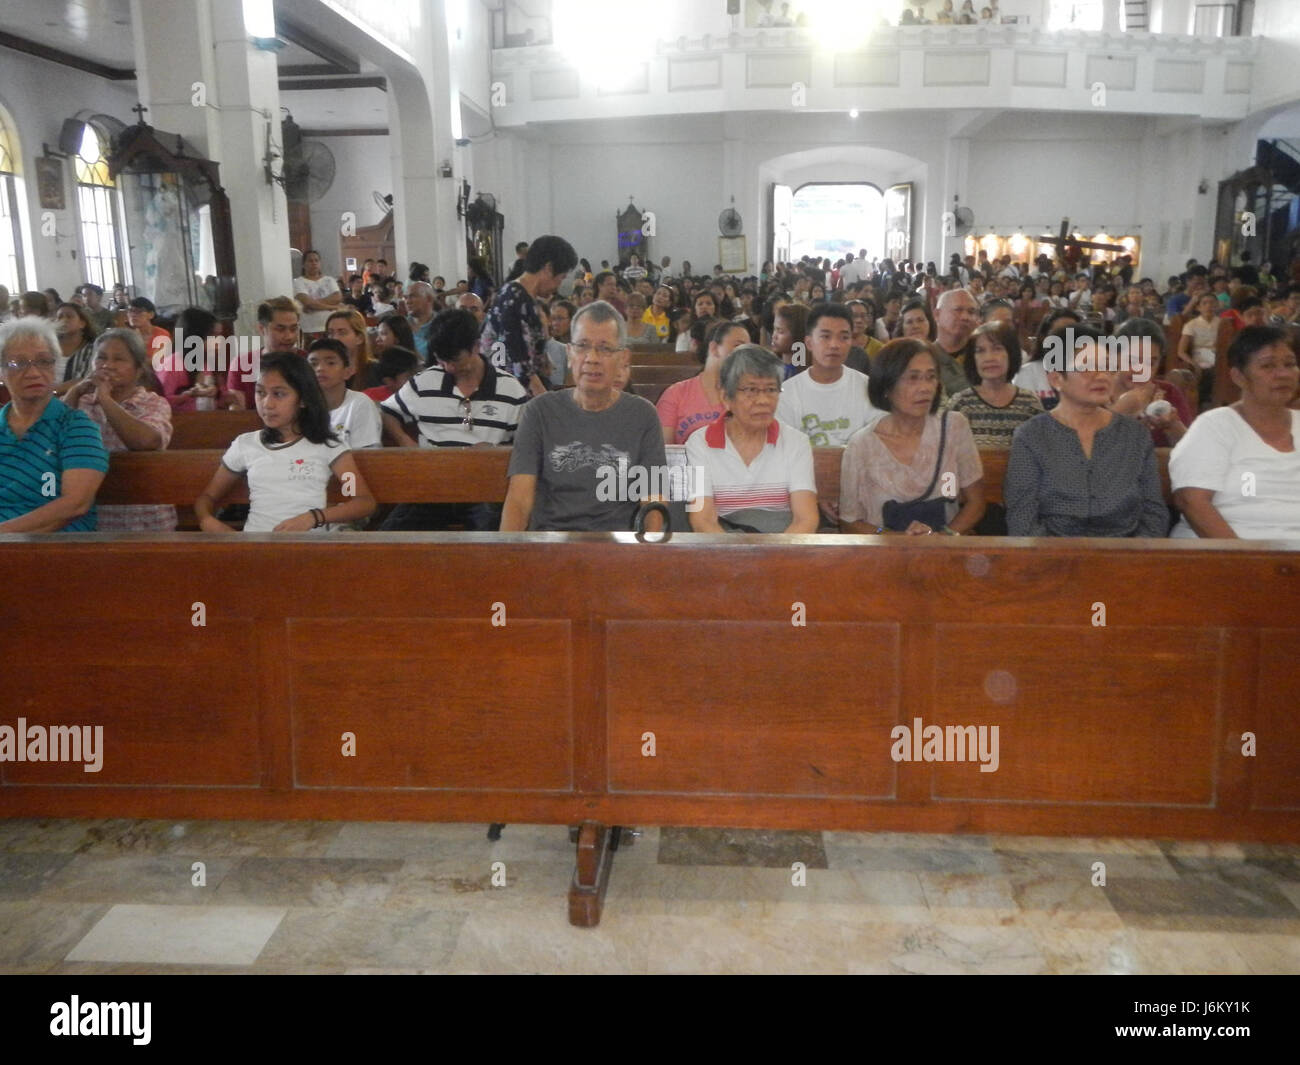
[{"x": 829, "y": 219}]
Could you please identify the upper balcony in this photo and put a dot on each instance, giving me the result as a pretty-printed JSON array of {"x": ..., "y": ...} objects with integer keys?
[{"x": 895, "y": 68}]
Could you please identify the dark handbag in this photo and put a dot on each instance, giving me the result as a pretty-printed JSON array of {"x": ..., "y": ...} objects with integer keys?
[{"x": 897, "y": 516}]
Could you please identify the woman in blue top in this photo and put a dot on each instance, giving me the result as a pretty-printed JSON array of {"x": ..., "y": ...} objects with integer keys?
[{"x": 52, "y": 458}]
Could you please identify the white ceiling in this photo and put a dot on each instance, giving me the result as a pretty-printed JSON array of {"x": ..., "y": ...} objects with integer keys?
[
  {"x": 100, "y": 30},
  {"x": 92, "y": 29}
]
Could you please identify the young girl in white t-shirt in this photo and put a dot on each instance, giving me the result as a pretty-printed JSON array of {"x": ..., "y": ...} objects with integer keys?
[{"x": 290, "y": 463}]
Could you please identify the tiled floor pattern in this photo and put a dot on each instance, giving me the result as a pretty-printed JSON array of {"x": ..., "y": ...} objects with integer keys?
[{"x": 209, "y": 896}]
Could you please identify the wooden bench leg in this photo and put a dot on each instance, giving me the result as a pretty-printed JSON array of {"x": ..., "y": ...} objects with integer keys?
[{"x": 596, "y": 846}]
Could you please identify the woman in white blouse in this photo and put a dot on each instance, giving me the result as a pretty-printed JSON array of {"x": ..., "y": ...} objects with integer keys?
[{"x": 1237, "y": 471}]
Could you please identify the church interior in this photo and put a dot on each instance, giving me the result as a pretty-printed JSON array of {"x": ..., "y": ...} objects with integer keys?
[{"x": 520, "y": 748}]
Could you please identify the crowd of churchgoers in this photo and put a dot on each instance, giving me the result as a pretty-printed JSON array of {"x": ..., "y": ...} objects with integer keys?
[{"x": 912, "y": 371}]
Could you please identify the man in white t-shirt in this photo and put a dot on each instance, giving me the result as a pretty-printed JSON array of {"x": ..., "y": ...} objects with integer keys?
[
  {"x": 317, "y": 295},
  {"x": 829, "y": 401},
  {"x": 354, "y": 416},
  {"x": 854, "y": 270}
]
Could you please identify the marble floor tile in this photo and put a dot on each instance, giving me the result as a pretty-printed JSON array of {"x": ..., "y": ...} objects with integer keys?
[
  {"x": 35, "y": 934},
  {"x": 913, "y": 859},
  {"x": 969, "y": 899},
  {"x": 956, "y": 949},
  {"x": 135, "y": 968},
  {"x": 152, "y": 878},
  {"x": 1204, "y": 902},
  {"x": 1271, "y": 850},
  {"x": 202, "y": 839},
  {"x": 1268, "y": 955},
  {"x": 1099, "y": 845},
  {"x": 1197, "y": 848},
  {"x": 326, "y": 882},
  {"x": 740, "y": 846},
  {"x": 1064, "y": 901},
  {"x": 767, "y": 894},
  {"x": 355, "y": 937},
  {"x": 1290, "y": 890},
  {"x": 1188, "y": 954},
  {"x": 905, "y": 840},
  {"x": 547, "y": 943},
  {"x": 1079, "y": 951},
  {"x": 458, "y": 884},
  {"x": 409, "y": 839},
  {"x": 22, "y": 835},
  {"x": 182, "y": 935},
  {"x": 1078, "y": 866},
  {"x": 25, "y": 874},
  {"x": 266, "y": 839},
  {"x": 741, "y": 945}
]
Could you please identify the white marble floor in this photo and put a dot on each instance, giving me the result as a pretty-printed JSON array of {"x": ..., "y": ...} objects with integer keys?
[{"x": 162, "y": 897}]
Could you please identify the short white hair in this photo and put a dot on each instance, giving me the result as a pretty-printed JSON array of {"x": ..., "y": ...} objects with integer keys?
[{"x": 29, "y": 328}]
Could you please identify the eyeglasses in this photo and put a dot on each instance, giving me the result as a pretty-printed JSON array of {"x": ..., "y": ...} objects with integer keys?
[
  {"x": 467, "y": 415},
  {"x": 45, "y": 365},
  {"x": 586, "y": 347},
  {"x": 750, "y": 392}
]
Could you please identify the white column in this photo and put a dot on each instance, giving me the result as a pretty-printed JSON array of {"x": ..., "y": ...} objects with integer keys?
[{"x": 200, "y": 76}]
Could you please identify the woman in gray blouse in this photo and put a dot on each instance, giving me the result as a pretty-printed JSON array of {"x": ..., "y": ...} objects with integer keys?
[{"x": 1082, "y": 470}]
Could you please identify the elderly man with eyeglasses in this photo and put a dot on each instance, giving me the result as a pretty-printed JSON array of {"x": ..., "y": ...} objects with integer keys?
[
  {"x": 463, "y": 401},
  {"x": 566, "y": 439},
  {"x": 52, "y": 457}
]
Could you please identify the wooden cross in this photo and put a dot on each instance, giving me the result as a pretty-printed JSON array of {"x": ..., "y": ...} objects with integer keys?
[
  {"x": 1064, "y": 240},
  {"x": 139, "y": 110}
]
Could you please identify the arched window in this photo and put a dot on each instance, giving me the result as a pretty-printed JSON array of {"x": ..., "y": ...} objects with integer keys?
[
  {"x": 97, "y": 202},
  {"x": 11, "y": 239}
]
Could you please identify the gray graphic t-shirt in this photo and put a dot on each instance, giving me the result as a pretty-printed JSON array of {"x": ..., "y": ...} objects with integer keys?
[{"x": 565, "y": 447}]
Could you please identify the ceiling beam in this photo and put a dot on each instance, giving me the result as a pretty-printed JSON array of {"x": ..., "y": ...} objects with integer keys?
[
  {"x": 359, "y": 131},
  {"x": 296, "y": 34},
  {"x": 365, "y": 81},
  {"x": 67, "y": 59}
]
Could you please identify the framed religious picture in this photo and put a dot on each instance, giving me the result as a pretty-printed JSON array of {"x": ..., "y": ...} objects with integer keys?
[
  {"x": 733, "y": 255},
  {"x": 49, "y": 182}
]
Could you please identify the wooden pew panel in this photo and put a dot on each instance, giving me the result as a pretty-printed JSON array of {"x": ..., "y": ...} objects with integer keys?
[
  {"x": 1277, "y": 779},
  {"x": 710, "y": 734},
  {"x": 438, "y": 702},
  {"x": 179, "y": 703},
  {"x": 1111, "y": 709}
]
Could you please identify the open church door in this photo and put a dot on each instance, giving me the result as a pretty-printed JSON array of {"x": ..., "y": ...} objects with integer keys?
[
  {"x": 898, "y": 222},
  {"x": 780, "y": 211}
]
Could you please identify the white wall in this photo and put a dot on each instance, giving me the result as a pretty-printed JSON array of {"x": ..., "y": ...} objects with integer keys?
[
  {"x": 361, "y": 166},
  {"x": 39, "y": 95},
  {"x": 1275, "y": 82}
]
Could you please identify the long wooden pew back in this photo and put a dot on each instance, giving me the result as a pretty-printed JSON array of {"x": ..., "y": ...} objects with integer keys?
[{"x": 425, "y": 475}]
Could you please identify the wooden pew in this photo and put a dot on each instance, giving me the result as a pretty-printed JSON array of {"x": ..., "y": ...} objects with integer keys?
[
  {"x": 664, "y": 358},
  {"x": 427, "y": 475},
  {"x": 648, "y": 392},
  {"x": 192, "y": 430},
  {"x": 664, "y": 375},
  {"x": 1129, "y": 729}
]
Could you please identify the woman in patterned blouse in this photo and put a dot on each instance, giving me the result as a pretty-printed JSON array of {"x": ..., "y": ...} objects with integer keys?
[
  {"x": 130, "y": 418},
  {"x": 994, "y": 406}
]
